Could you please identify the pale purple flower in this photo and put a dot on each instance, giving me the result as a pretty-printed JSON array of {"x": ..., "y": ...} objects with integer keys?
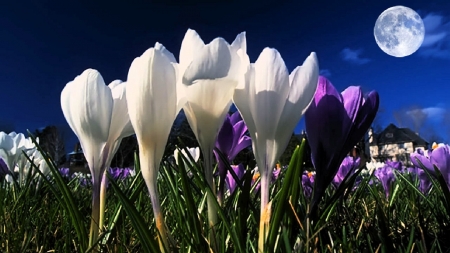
[
  {"x": 440, "y": 157},
  {"x": 229, "y": 180},
  {"x": 348, "y": 167},
  {"x": 386, "y": 176},
  {"x": 424, "y": 180}
]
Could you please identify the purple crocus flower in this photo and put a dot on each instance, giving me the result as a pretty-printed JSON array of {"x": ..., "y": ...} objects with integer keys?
[
  {"x": 424, "y": 180},
  {"x": 275, "y": 173},
  {"x": 308, "y": 183},
  {"x": 348, "y": 166},
  {"x": 334, "y": 123},
  {"x": 231, "y": 140},
  {"x": 116, "y": 173},
  {"x": 440, "y": 156},
  {"x": 395, "y": 165},
  {"x": 3, "y": 168},
  {"x": 229, "y": 180},
  {"x": 65, "y": 172},
  {"x": 386, "y": 176}
]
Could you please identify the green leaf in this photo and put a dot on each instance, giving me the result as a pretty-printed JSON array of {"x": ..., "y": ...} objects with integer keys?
[{"x": 142, "y": 231}]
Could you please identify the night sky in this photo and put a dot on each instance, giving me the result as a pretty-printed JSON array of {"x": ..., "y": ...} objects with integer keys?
[{"x": 45, "y": 44}]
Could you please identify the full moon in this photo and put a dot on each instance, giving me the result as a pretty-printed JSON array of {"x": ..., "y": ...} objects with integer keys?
[{"x": 399, "y": 31}]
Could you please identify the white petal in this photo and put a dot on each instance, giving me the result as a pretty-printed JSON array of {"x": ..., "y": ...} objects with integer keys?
[
  {"x": 240, "y": 43},
  {"x": 195, "y": 153},
  {"x": 175, "y": 155},
  {"x": 243, "y": 98},
  {"x": 303, "y": 85},
  {"x": 152, "y": 99},
  {"x": 87, "y": 106},
  {"x": 152, "y": 105},
  {"x": 271, "y": 90},
  {"x": 211, "y": 62},
  {"x": 190, "y": 46},
  {"x": 120, "y": 122},
  {"x": 167, "y": 53},
  {"x": 208, "y": 103},
  {"x": 6, "y": 142}
]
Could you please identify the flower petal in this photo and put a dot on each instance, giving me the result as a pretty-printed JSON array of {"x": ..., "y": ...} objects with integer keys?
[
  {"x": 87, "y": 106},
  {"x": 240, "y": 43},
  {"x": 120, "y": 122},
  {"x": 303, "y": 85},
  {"x": 151, "y": 89},
  {"x": 213, "y": 61},
  {"x": 190, "y": 46}
]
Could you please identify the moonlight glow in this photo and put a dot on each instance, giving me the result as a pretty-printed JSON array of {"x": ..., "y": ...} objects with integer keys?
[{"x": 399, "y": 31}]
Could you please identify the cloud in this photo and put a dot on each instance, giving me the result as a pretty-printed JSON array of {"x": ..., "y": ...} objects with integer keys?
[
  {"x": 436, "y": 43},
  {"x": 434, "y": 113},
  {"x": 325, "y": 72},
  {"x": 353, "y": 56}
]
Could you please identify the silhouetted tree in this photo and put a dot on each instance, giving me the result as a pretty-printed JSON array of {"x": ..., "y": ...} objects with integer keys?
[
  {"x": 124, "y": 156},
  {"x": 51, "y": 141}
]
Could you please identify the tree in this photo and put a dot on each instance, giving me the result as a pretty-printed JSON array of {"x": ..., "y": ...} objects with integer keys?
[
  {"x": 51, "y": 141},
  {"x": 124, "y": 156}
]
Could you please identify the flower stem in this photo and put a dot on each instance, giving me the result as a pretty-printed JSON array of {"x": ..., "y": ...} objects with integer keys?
[
  {"x": 95, "y": 216},
  {"x": 149, "y": 168},
  {"x": 265, "y": 209},
  {"x": 212, "y": 211},
  {"x": 159, "y": 219},
  {"x": 103, "y": 186}
]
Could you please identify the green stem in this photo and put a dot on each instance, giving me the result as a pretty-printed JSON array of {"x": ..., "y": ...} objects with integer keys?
[{"x": 210, "y": 199}]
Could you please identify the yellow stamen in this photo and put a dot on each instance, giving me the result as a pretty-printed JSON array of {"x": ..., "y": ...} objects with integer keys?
[
  {"x": 434, "y": 146},
  {"x": 255, "y": 176}
]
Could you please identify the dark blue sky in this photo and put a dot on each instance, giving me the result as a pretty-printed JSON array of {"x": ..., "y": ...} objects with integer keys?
[{"x": 45, "y": 44}]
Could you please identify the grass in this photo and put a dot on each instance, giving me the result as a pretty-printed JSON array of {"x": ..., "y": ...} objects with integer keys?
[{"x": 51, "y": 214}]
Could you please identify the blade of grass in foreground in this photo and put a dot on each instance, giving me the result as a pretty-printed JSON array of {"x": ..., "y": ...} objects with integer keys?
[
  {"x": 64, "y": 196},
  {"x": 142, "y": 231},
  {"x": 283, "y": 199},
  {"x": 136, "y": 187}
]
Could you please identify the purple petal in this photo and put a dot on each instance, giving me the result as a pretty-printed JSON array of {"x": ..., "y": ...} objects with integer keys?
[
  {"x": 364, "y": 119},
  {"x": 242, "y": 144},
  {"x": 352, "y": 98},
  {"x": 441, "y": 158},
  {"x": 424, "y": 160},
  {"x": 229, "y": 180},
  {"x": 235, "y": 118},
  {"x": 224, "y": 139}
]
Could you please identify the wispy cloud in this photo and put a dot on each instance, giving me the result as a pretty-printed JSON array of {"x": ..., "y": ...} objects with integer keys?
[
  {"x": 433, "y": 113},
  {"x": 325, "y": 72},
  {"x": 353, "y": 56},
  {"x": 436, "y": 43}
]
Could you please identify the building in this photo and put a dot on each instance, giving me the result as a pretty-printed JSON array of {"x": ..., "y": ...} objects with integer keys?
[{"x": 395, "y": 144}]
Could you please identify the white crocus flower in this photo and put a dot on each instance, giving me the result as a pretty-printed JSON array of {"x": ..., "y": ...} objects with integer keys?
[
  {"x": 98, "y": 116},
  {"x": 209, "y": 74},
  {"x": 11, "y": 147},
  {"x": 153, "y": 104},
  {"x": 194, "y": 152},
  {"x": 271, "y": 103}
]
